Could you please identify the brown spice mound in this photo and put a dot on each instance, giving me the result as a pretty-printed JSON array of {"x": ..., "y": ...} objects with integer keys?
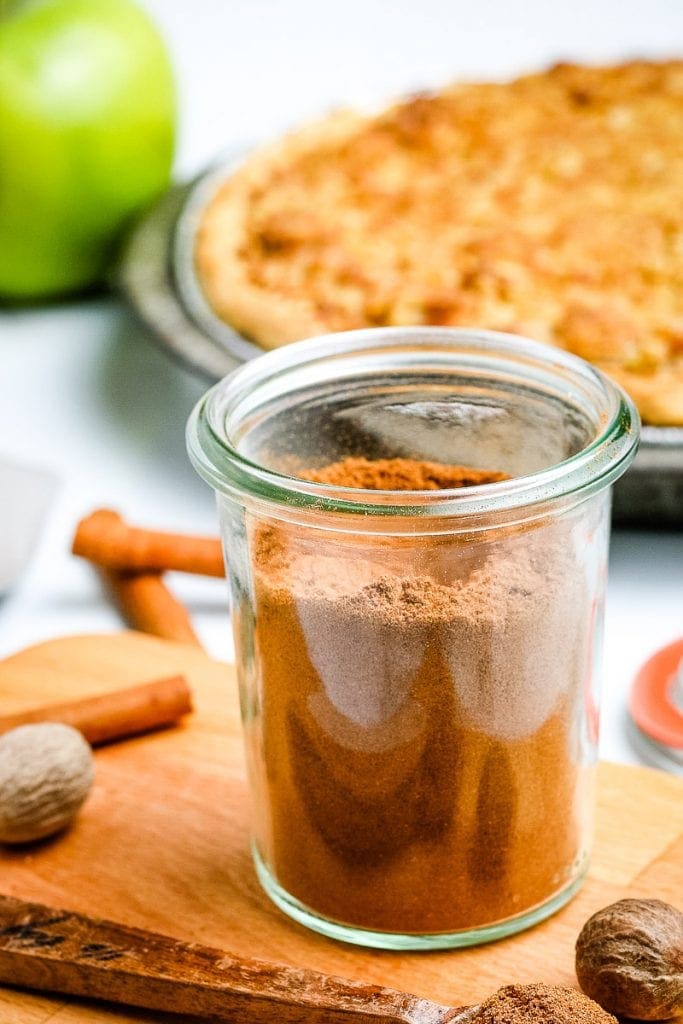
[
  {"x": 523, "y": 1004},
  {"x": 399, "y": 475}
]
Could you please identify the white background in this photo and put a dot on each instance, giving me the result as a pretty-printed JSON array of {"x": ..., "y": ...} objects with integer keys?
[{"x": 84, "y": 392}]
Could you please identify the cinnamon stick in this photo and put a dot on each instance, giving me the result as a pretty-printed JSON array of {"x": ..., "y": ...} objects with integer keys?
[
  {"x": 142, "y": 596},
  {"x": 148, "y": 605},
  {"x": 117, "y": 714},
  {"x": 106, "y": 539}
]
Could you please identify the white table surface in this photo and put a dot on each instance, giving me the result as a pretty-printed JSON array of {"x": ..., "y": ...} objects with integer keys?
[{"x": 84, "y": 392}]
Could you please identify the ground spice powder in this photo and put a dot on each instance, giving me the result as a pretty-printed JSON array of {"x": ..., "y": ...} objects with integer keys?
[
  {"x": 415, "y": 749},
  {"x": 540, "y": 1004},
  {"x": 399, "y": 475}
]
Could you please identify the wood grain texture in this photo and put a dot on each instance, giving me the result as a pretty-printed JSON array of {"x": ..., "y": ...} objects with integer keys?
[
  {"x": 48, "y": 949},
  {"x": 163, "y": 843}
]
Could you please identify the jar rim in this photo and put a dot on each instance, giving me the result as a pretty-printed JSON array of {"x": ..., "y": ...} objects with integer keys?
[{"x": 592, "y": 468}]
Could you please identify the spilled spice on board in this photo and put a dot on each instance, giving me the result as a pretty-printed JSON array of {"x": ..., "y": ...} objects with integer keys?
[
  {"x": 540, "y": 1004},
  {"x": 416, "y": 754}
]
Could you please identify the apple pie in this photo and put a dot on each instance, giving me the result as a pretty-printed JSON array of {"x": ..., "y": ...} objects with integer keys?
[{"x": 549, "y": 206}]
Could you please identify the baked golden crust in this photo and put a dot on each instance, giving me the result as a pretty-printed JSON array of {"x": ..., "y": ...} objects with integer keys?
[{"x": 550, "y": 206}]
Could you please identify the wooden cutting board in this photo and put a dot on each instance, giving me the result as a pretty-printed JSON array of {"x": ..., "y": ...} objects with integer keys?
[{"x": 162, "y": 842}]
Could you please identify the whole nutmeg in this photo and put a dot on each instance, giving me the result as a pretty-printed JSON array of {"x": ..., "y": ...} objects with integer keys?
[
  {"x": 46, "y": 772},
  {"x": 629, "y": 958}
]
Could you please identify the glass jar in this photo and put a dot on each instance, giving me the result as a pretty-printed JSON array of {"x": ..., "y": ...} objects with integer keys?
[{"x": 418, "y": 669}]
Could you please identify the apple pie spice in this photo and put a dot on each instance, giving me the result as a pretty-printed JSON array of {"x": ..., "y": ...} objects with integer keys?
[
  {"x": 540, "y": 1004},
  {"x": 418, "y": 741}
]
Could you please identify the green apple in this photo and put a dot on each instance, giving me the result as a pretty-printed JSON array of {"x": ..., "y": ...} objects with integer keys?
[{"x": 87, "y": 115}]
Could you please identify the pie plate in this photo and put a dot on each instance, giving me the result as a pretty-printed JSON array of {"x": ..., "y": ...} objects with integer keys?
[{"x": 156, "y": 276}]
